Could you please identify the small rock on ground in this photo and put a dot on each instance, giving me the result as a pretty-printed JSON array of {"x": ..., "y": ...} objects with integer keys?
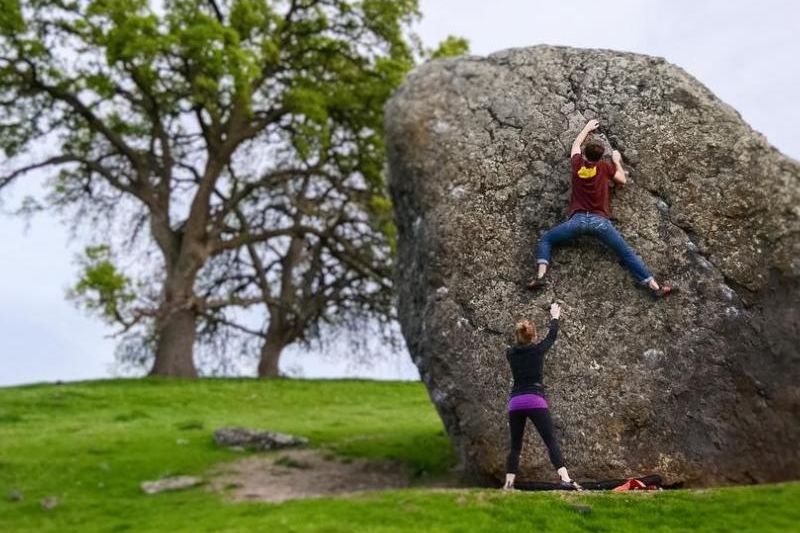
[
  {"x": 170, "y": 483},
  {"x": 49, "y": 503},
  {"x": 256, "y": 439}
]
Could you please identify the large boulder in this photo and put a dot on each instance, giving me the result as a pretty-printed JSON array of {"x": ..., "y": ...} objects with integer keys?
[{"x": 702, "y": 387}]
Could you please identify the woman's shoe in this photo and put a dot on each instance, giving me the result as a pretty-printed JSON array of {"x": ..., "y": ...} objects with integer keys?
[{"x": 570, "y": 485}]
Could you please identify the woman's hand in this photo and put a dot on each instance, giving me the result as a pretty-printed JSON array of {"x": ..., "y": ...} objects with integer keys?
[
  {"x": 592, "y": 125},
  {"x": 555, "y": 310}
]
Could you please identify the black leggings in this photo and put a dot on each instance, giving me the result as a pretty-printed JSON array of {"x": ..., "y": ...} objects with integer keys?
[{"x": 541, "y": 419}]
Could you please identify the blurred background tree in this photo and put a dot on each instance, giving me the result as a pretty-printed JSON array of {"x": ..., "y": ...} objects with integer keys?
[{"x": 231, "y": 152}]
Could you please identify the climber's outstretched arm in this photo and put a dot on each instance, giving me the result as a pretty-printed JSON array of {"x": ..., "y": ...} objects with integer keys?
[
  {"x": 619, "y": 177},
  {"x": 587, "y": 129},
  {"x": 555, "y": 314}
]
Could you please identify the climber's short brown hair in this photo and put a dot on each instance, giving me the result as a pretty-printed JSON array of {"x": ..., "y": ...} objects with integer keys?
[
  {"x": 594, "y": 151},
  {"x": 525, "y": 332}
]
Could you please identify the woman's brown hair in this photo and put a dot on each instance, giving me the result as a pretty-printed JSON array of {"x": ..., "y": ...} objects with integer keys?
[{"x": 525, "y": 331}]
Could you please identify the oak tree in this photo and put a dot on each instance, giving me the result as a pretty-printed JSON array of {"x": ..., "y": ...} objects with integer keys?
[{"x": 215, "y": 130}]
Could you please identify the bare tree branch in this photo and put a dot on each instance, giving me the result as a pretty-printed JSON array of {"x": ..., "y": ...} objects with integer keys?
[
  {"x": 83, "y": 110},
  {"x": 9, "y": 178}
]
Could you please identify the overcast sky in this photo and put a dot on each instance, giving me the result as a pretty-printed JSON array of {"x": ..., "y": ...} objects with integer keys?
[{"x": 744, "y": 51}]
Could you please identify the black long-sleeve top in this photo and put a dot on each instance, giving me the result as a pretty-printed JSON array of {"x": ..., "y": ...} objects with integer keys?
[{"x": 527, "y": 362}]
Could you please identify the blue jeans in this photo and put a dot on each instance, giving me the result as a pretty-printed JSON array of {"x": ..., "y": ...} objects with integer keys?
[{"x": 597, "y": 226}]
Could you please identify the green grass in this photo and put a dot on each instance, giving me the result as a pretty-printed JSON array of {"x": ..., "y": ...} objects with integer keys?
[{"x": 91, "y": 444}]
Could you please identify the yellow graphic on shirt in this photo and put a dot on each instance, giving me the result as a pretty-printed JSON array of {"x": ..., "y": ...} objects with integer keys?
[{"x": 587, "y": 173}]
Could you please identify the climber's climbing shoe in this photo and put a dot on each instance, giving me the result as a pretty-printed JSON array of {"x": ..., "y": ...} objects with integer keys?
[
  {"x": 536, "y": 284},
  {"x": 662, "y": 291}
]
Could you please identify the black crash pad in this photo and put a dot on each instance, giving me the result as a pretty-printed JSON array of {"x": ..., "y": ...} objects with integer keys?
[{"x": 652, "y": 480}]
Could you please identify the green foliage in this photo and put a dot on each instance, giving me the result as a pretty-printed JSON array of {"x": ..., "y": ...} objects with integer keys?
[
  {"x": 249, "y": 16},
  {"x": 90, "y": 445},
  {"x": 381, "y": 209},
  {"x": 102, "y": 287},
  {"x": 331, "y": 63},
  {"x": 10, "y": 17},
  {"x": 452, "y": 46}
]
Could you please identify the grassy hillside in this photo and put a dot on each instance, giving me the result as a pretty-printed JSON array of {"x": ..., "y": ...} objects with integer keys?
[{"x": 91, "y": 444}]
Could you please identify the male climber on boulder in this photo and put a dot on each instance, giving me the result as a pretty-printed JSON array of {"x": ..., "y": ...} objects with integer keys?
[{"x": 589, "y": 212}]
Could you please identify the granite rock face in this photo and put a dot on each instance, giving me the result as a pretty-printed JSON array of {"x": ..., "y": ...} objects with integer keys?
[{"x": 703, "y": 387}]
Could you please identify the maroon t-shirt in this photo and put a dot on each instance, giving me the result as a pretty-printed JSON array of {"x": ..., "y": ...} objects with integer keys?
[{"x": 590, "y": 182}]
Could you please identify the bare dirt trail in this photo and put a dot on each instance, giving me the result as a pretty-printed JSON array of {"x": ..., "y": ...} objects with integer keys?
[{"x": 297, "y": 474}]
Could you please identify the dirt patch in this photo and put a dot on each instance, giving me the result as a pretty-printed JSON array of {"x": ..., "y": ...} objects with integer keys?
[{"x": 295, "y": 474}]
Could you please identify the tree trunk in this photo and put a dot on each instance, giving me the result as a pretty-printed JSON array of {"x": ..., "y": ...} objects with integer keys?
[
  {"x": 175, "y": 347},
  {"x": 185, "y": 253},
  {"x": 177, "y": 325},
  {"x": 270, "y": 355}
]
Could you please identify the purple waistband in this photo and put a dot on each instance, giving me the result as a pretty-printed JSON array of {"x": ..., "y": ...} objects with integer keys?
[{"x": 527, "y": 401}]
